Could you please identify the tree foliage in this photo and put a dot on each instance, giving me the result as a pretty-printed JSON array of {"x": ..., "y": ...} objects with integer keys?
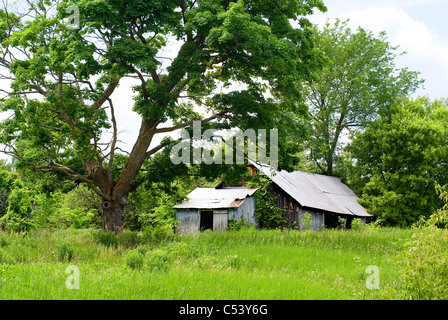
[
  {"x": 397, "y": 162},
  {"x": 62, "y": 79},
  {"x": 357, "y": 82}
]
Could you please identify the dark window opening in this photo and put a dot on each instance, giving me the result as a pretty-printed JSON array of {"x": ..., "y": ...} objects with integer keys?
[
  {"x": 348, "y": 222},
  {"x": 206, "y": 220},
  {"x": 331, "y": 220}
]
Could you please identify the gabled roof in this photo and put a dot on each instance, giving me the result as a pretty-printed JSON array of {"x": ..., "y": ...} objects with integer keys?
[
  {"x": 316, "y": 191},
  {"x": 211, "y": 198}
]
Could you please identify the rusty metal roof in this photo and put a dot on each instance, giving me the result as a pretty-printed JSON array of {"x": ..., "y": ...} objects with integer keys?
[
  {"x": 211, "y": 198},
  {"x": 316, "y": 191}
]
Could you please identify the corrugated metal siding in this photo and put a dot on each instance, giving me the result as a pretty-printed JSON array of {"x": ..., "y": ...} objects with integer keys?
[
  {"x": 188, "y": 221},
  {"x": 245, "y": 211},
  {"x": 220, "y": 221}
]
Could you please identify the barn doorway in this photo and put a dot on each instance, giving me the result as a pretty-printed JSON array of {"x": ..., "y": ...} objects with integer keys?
[
  {"x": 331, "y": 221},
  {"x": 206, "y": 221}
]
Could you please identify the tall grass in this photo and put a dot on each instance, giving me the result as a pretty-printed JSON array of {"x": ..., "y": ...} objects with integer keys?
[{"x": 245, "y": 264}]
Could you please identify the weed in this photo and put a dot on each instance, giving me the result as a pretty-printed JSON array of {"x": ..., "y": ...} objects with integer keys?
[
  {"x": 134, "y": 259},
  {"x": 5, "y": 257},
  {"x": 239, "y": 224},
  {"x": 65, "y": 252},
  {"x": 158, "y": 233},
  {"x": 158, "y": 259},
  {"x": 307, "y": 220},
  {"x": 356, "y": 224},
  {"x": 128, "y": 239},
  {"x": 245, "y": 264},
  {"x": 3, "y": 242},
  {"x": 108, "y": 239}
]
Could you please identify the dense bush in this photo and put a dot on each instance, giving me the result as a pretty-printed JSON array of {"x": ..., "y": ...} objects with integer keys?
[
  {"x": 423, "y": 263},
  {"x": 239, "y": 224},
  {"x": 128, "y": 238},
  {"x": 18, "y": 215},
  {"x": 158, "y": 232},
  {"x": 307, "y": 220},
  {"x": 134, "y": 259},
  {"x": 5, "y": 257},
  {"x": 108, "y": 239},
  {"x": 74, "y": 218},
  {"x": 356, "y": 224},
  {"x": 65, "y": 252},
  {"x": 79, "y": 208},
  {"x": 7, "y": 179},
  {"x": 158, "y": 259}
]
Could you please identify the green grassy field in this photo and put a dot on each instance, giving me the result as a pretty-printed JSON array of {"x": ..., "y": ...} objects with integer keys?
[{"x": 248, "y": 264}]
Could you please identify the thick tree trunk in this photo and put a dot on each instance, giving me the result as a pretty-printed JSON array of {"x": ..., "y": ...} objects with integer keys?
[{"x": 112, "y": 216}]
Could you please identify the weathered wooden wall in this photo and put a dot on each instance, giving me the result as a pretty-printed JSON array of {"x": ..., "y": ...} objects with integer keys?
[
  {"x": 188, "y": 221},
  {"x": 317, "y": 216},
  {"x": 220, "y": 220},
  {"x": 294, "y": 212},
  {"x": 245, "y": 210}
]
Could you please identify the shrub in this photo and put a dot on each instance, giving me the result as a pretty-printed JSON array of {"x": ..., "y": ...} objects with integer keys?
[
  {"x": 5, "y": 257},
  {"x": 79, "y": 219},
  {"x": 19, "y": 209},
  {"x": 158, "y": 232},
  {"x": 341, "y": 222},
  {"x": 134, "y": 259},
  {"x": 16, "y": 224},
  {"x": 22, "y": 252},
  {"x": 356, "y": 224},
  {"x": 79, "y": 208},
  {"x": 239, "y": 224},
  {"x": 74, "y": 218},
  {"x": 307, "y": 221},
  {"x": 108, "y": 239},
  {"x": 267, "y": 213},
  {"x": 143, "y": 249},
  {"x": 128, "y": 238},
  {"x": 151, "y": 207},
  {"x": 3, "y": 242},
  {"x": 158, "y": 259},
  {"x": 65, "y": 252},
  {"x": 423, "y": 265}
]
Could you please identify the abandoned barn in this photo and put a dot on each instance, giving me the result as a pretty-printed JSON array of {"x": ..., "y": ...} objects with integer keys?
[
  {"x": 212, "y": 208},
  {"x": 325, "y": 198}
]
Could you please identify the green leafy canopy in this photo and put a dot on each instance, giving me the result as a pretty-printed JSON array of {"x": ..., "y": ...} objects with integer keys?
[{"x": 61, "y": 104}]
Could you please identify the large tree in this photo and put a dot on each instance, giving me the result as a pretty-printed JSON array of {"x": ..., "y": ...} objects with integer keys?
[
  {"x": 60, "y": 101},
  {"x": 359, "y": 79},
  {"x": 397, "y": 162}
]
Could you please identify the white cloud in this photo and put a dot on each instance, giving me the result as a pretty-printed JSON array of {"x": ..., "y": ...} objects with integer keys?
[
  {"x": 426, "y": 51},
  {"x": 412, "y": 35}
]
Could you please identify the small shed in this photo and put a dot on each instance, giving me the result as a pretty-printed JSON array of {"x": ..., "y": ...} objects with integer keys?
[
  {"x": 212, "y": 208},
  {"x": 326, "y": 198}
]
